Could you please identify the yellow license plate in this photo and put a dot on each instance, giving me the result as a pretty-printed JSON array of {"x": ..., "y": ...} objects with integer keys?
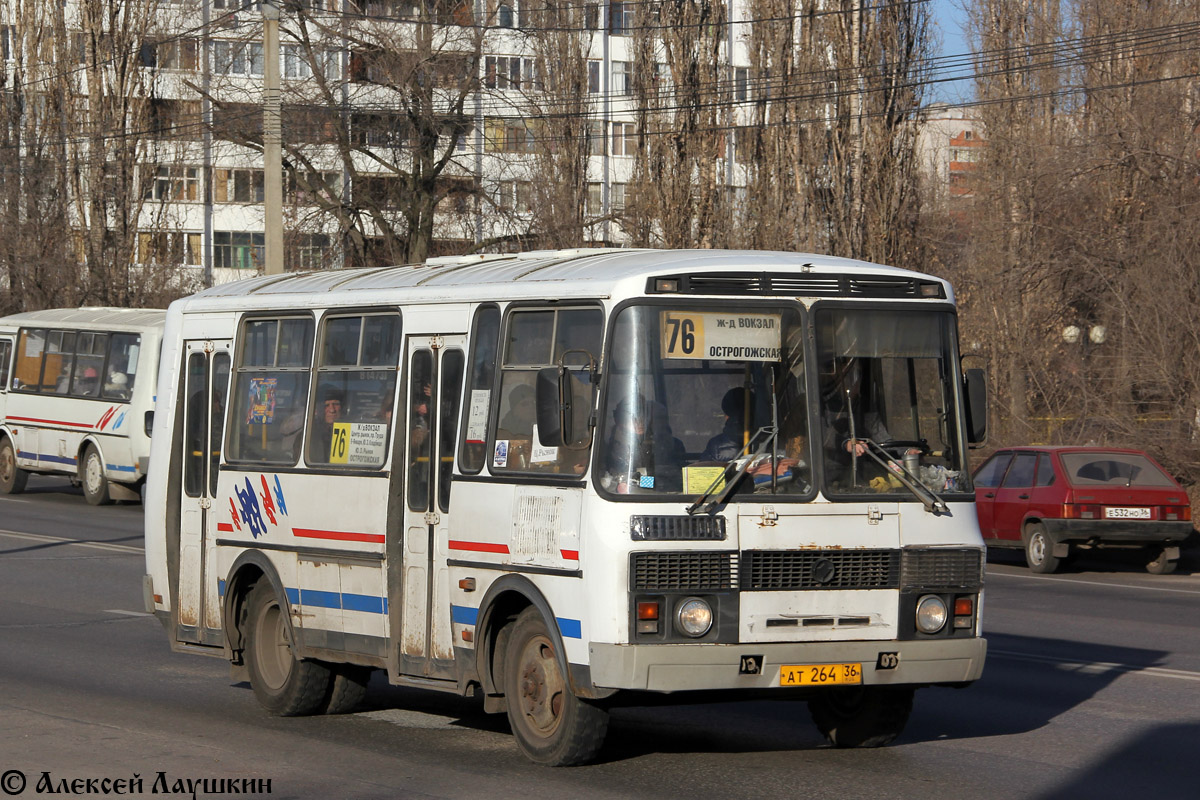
[{"x": 820, "y": 674}]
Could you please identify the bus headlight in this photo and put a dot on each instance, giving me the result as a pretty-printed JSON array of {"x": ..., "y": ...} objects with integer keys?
[
  {"x": 931, "y": 614},
  {"x": 694, "y": 617}
]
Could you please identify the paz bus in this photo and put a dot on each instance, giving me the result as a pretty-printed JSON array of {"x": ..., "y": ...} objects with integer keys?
[
  {"x": 571, "y": 480},
  {"x": 76, "y": 397}
]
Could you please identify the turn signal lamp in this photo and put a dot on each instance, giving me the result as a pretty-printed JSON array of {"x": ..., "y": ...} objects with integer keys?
[{"x": 647, "y": 617}]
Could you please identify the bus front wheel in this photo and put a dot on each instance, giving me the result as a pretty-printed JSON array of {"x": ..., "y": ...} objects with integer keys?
[
  {"x": 551, "y": 725},
  {"x": 862, "y": 716},
  {"x": 285, "y": 685},
  {"x": 95, "y": 485},
  {"x": 12, "y": 477}
]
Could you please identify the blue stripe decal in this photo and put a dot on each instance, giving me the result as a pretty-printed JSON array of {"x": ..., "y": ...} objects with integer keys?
[
  {"x": 293, "y": 595},
  {"x": 464, "y": 615},
  {"x": 120, "y": 468},
  {"x": 319, "y": 599},
  {"x": 50, "y": 458},
  {"x": 220, "y": 587},
  {"x": 362, "y": 602},
  {"x": 570, "y": 628}
]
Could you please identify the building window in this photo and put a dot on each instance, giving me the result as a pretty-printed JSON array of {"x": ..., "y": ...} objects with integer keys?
[
  {"x": 622, "y": 72},
  {"x": 169, "y": 248},
  {"x": 621, "y": 18},
  {"x": 741, "y": 84},
  {"x": 515, "y": 196},
  {"x": 510, "y": 72},
  {"x": 177, "y": 54},
  {"x": 175, "y": 183},
  {"x": 311, "y": 188},
  {"x": 508, "y": 136},
  {"x": 624, "y": 139},
  {"x": 595, "y": 200},
  {"x": 310, "y": 251},
  {"x": 238, "y": 250},
  {"x": 238, "y": 186},
  {"x": 595, "y": 138},
  {"x": 616, "y": 197},
  {"x": 298, "y": 63},
  {"x": 594, "y": 76},
  {"x": 238, "y": 58}
]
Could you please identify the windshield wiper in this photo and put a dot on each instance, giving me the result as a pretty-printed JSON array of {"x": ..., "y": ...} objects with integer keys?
[
  {"x": 706, "y": 502},
  {"x": 928, "y": 498}
]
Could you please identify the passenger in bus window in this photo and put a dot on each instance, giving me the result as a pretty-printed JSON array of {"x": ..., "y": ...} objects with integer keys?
[
  {"x": 726, "y": 445},
  {"x": 420, "y": 419},
  {"x": 117, "y": 386},
  {"x": 329, "y": 411},
  {"x": 89, "y": 384},
  {"x": 643, "y": 453}
]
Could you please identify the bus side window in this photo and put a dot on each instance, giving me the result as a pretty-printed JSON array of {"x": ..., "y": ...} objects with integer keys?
[
  {"x": 270, "y": 394},
  {"x": 27, "y": 373},
  {"x": 485, "y": 334},
  {"x": 90, "y": 349},
  {"x": 538, "y": 338},
  {"x": 5, "y": 355},
  {"x": 356, "y": 391}
]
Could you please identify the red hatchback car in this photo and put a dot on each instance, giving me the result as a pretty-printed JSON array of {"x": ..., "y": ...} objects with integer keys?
[{"x": 1051, "y": 500}]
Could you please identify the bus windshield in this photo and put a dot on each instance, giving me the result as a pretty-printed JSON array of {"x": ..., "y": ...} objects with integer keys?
[
  {"x": 887, "y": 380},
  {"x": 701, "y": 394}
]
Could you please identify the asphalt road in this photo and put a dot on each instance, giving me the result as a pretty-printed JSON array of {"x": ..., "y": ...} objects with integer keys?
[{"x": 1092, "y": 689}]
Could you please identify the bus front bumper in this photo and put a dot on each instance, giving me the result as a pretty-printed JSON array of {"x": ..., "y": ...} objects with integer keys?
[{"x": 694, "y": 667}]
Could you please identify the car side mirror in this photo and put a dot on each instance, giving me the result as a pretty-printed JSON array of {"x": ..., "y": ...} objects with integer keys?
[
  {"x": 975, "y": 393},
  {"x": 550, "y": 406}
]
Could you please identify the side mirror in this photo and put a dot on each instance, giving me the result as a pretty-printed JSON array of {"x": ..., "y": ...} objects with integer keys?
[
  {"x": 975, "y": 393},
  {"x": 550, "y": 406}
]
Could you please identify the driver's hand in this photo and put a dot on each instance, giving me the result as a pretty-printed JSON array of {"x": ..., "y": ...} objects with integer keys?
[
  {"x": 856, "y": 446},
  {"x": 913, "y": 451}
]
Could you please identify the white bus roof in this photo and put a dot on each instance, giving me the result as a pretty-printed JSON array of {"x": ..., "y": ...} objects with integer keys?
[
  {"x": 90, "y": 317},
  {"x": 579, "y": 272}
]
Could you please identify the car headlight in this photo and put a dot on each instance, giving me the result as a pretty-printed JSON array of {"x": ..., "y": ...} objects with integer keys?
[
  {"x": 931, "y": 614},
  {"x": 694, "y": 617}
]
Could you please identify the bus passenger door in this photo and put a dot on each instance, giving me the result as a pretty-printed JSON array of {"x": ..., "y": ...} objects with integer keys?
[
  {"x": 434, "y": 387},
  {"x": 206, "y": 379}
]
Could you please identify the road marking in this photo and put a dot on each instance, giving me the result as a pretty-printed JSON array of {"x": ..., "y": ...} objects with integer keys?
[
  {"x": 109, "y": 546},
  {"x": 123, "y": 612},
  {"x": 991, "y": 575},
  {"x": 1099, "y": 667}
]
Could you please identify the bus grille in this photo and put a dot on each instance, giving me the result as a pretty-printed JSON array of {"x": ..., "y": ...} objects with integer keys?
[
  {"x": 933, "y": 568},
  {"x": 686, "y": 571},
  {"x": 778, "y": 570}
]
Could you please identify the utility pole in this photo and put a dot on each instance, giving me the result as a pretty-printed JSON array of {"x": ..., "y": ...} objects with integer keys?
[{"x": 272, "y": 143}]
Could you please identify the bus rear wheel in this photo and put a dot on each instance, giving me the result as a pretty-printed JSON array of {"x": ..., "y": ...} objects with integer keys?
[
  {"x": 285, "y": 685},
  {"x": 862, "y": 716},
  {"x": 12, "y": 477},
  {"x": 551, "y": 725},
  {"x": 95, "y": 485}
]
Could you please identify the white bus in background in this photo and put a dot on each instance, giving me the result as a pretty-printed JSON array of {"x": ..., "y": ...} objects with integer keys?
[
  {"x": 76, "y": 397},
  {"x": 611, "y": 476}
]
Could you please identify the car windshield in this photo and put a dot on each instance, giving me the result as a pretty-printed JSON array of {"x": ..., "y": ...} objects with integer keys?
[
  {"x": 889, "y": 392},
  {"x": 699, "y": 391},
  {"x": 1114, "y": 469}
]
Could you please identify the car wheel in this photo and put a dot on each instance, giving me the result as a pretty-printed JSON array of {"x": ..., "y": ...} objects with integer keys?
[
  {"x": 95, "y": 485},
  {"x": 285, "y": 685},
  {"x": 551, "y": 725},
  {"x": 12, "y": 477},
  {"x": 1158, "y": 564},
  {"x": 1039, "y": 551},
  {"x": 861, "y": 716}
]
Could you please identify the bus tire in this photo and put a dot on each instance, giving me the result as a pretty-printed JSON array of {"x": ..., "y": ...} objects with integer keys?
[
  {"x": 1039, "y": 552},
  {"x": 12, "y": 477},
  {"x": 552, "y": 726},
  {"x": 862, "y": 716},
  {"x": 285, "y": 685},
  {"x": 347, "y": 689},
  {"x": 95, "y": 485}
]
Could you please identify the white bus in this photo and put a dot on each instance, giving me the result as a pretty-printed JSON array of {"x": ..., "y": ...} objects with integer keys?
[
  {"x": 76, "y": 397},
  {"x": 612, "y": 476}
]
